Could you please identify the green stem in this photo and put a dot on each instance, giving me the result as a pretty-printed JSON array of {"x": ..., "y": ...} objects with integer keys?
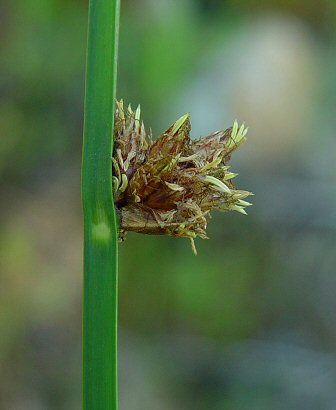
[{"x": 100, "y": 227}]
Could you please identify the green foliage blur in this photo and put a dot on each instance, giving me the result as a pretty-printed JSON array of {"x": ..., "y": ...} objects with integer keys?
[{"x": 250, "y": 322}]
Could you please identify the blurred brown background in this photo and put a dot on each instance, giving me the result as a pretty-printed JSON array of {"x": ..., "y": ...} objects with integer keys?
[{"x": 250, "y": 323}]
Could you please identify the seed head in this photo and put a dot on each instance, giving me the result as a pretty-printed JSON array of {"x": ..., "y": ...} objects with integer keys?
[{"x": 170, "y": 185}]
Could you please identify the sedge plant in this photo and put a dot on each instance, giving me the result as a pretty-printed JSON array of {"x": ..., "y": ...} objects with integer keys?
[{"x": 130, "y": 182}]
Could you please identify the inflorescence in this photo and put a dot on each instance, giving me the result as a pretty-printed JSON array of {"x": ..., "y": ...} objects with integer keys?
[{"x": 169, "y": 186}]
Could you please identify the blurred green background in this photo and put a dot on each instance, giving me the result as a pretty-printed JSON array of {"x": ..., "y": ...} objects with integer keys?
[{"x": 248, "y": 324}]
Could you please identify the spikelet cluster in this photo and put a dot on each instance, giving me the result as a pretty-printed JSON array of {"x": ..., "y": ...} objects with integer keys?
[{"x": 169, "y": 186}]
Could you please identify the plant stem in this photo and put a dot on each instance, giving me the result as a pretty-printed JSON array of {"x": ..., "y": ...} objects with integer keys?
[{"x": 100, "y": 227}]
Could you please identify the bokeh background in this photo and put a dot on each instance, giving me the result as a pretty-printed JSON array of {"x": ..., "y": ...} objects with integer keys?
[{"x": 248, "y": 324}]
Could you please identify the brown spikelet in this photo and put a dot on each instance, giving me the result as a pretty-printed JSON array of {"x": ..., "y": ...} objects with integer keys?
[{"x": 169, "y": 186}]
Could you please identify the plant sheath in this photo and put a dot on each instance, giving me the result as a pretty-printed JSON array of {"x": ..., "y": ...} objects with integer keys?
[{"x": 100, "y": 227}]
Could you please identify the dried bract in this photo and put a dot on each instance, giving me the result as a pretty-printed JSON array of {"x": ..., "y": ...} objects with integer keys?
[{"x": 170, "y": 185}]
